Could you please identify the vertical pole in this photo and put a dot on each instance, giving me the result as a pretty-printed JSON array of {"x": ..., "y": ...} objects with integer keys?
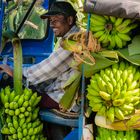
[{"x": 82, "y": 116}]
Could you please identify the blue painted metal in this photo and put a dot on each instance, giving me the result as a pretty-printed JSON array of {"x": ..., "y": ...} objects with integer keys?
[
  {"x": 73, "y": 135},
  {"x": 49, "y": 116}
]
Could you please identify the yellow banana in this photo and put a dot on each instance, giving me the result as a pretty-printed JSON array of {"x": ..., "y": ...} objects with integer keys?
[
  {"x": 102, "y": 111},
  {"x": 133, "y": 85},
  {"x": 94, "y": 85},
  {"x": 115, "y": 67},
  {"x": 108, "y": 71},
  {"x": 134, "y": 92},
  {"x": 96, "y": 99},
  {"x": 92, "y": 92},
  {"x": 115, "y": 94},
  {"x": 96, "y": 107},
  {"x": 106, "y": 78},
  {"x": 122, "y": 65},
  {"x": 109, "y": 88},
  {"x": 127, "y": 107},
  {"x": 101, "y": 83},
  {"x": 124, "y": 75},
  {"x": 105, "y": 95},
  {"x": 119, "y": 114},
  {"x": 110, "y": 114},
  {"x": 136, "y": 76},
  {"x": 118, "y": 102}
]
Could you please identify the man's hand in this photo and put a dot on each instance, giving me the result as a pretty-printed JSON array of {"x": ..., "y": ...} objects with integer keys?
[{"x": 5, "y": 68}]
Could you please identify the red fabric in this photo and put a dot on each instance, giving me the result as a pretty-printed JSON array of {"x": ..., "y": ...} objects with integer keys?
[{"x": 47, "y": 102}]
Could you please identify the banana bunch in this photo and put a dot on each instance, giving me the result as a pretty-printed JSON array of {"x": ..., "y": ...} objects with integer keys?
[
  {"x": 21, "y": 115},
  {"x": 107, "y": 134},
  {"x": 115, "y": 91},
  {"x": 112, "y": 32}
]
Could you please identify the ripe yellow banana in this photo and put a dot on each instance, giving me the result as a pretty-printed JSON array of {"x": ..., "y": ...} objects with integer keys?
[
  {"x": 92, "y": 92},
  {"x": 115, "y": 94},
  {"x": 105, "y": 95},
  {"x": 118, "y": 102},
  {"x": 109, "y": 87},
  {"x": 119, "y": 114},
  {"x": 102, "y": 111},
  {"x": 94, "y": 85},
  {"x": 96, "y": 107},
  {"x": 110, "y": 114}
]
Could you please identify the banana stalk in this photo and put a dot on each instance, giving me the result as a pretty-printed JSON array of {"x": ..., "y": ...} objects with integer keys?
[{"x": 17, "y": 52}]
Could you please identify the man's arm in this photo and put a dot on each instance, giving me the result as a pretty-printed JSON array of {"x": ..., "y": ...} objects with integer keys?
[
  {"x": 50, "y": 68},
  {"x": 5, "y": 68}
]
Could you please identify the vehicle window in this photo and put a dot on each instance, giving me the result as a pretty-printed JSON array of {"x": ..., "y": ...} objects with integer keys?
[{"x": 34, "y": 27}]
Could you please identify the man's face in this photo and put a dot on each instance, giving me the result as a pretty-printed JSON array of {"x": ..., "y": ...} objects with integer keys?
[{"x": 60, "y": 25}]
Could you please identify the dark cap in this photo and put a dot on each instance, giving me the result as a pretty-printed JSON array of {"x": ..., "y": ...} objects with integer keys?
[{"x": 60, "y": 7}]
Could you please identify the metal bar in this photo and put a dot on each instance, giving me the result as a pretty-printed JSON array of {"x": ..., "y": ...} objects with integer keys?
[
  {"x": 25, "y": 17},
  {"x": 82, "y": 116}
]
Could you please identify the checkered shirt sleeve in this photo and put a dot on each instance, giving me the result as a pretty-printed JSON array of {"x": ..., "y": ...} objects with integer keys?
[{"x": 49, "y": 68}]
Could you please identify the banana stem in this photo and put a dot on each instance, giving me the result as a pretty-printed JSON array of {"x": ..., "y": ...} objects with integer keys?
[
  {"x": 17, "y": 52},
  {"x": 17, "y": 49}
]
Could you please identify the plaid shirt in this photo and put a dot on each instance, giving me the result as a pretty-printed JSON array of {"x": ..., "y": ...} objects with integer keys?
[{"x": 51, "y": 74}]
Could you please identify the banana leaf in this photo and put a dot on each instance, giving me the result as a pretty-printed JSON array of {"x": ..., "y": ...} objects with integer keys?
[
  {"x": 134, "y": 47},
  {"x": 134, "y": 59},
  {"x": 101, "y": 62},
  {"x": 70, "y": 92}
]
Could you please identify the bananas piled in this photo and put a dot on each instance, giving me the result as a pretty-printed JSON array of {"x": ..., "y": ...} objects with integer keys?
[
  {"x": 107, "y": 134},
  {"x": 115, "y": 91},
  {"x": 21, "y": 115},
  {"x": 112, "y": 32}
]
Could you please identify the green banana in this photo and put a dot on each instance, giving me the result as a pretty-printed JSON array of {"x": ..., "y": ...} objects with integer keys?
[
  {"x": 98, "y": 34},
  {"x": 124, "y": 37},
  {"x": 112, "y": 19},
  {"x": 97, "y": 28},
  {"x": 99, "y": 18},
  {"x": 95, "y": 22},
  {"x": 118, "y": 41},
  {"x": 118, "y": 21}
]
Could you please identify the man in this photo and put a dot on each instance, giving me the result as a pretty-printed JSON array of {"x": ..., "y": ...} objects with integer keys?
[{"x": 56, "y": 68}]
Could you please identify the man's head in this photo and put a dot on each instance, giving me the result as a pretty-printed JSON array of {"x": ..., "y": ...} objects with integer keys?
[{"x": 62, "y": 17}]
